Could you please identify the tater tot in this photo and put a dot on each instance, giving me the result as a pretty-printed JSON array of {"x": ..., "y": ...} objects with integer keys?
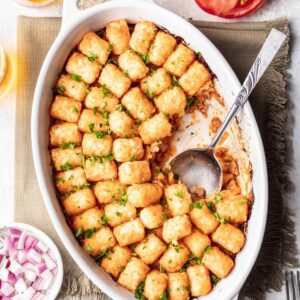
[
  {"x": 171, "y": 102},
  {"x": 69, "y": 180},
  {"x": 128, "y": 149},
  {"x": 116, "y": 261},
  {"x": 100, "y": 241},
  {"x": 100, "y": 169},
  {"x": 122, "y": 124},
  {"x": 81, "y": 68},
  {"x": 152, "y": 216},
  {"x": 178, "y": 199},
  {"x": 91, "y": 145},
  {"x": 217, "y": 262},
  {"x": 100, "y": 99},
  {"x": 109, "y": 191},
  {"x": 234, "y": 209},
  {"x": 64, "y": 158},
  {"x": 115, "y": 80},
  {"x": 156, "y": 284},
  {"x": 155, "y": 83},
  {"x": 150, "y": 249},
  {"x": 179, "y": 286},
  {"x": 134, "y": 172},
  {"x": 155, "y": 129},
  {"x": 176, "y": 228},
  {"x": 119, "y": 213},
  {"x": 118, "y": 35},
  {"x": 79, "y": 201},
  {"x": 130, "y": 232},
  {"x": 195, "y": 76},
  {"x": 132, "y": 65},
  {"x": 199, "y": 280},
  {"x": 179, "y": 60},
  {"x": 92, "y": 122},
  {"x": 134, "y": 273},
  {"x": 90, "y": 219},
  {"x": 229, "y": 237},
  {"x": 138, "y": 104},
  {"x": 95, "y": 48},
  {"x": 64, "y": 133},
  {"x": 197, "y": 242},
  {"x": 142, "y": 36},
  {"x": 175, "y": 257},
  {"x": 65, "y": 109},
  {"x": 71, "y": 88},
  {"x": 203, "y": 218},
  {"x": 161, "y": 48},
  {"x": 142, "y": 195}
]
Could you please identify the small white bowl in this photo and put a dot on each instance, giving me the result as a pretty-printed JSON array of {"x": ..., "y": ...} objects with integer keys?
[{"x": 55, "y": 287}]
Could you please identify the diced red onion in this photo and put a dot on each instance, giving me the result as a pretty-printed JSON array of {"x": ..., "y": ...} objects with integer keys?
[
  {"x": 4, "y": 275},
  {"x": 46, "y": 275},
  {"x": 34, "y": 257},
  {"x": 30, "y": 275},
  {"x": 40, "y": 268},
  {"x": 30, "y": 242},
  {"x": 22, "y": 256},
  {"x": 7, "y": 289},
  {"x": 40, "y": 245},
  {"x": 4, "y": 263},
  {"x": 15, "y": 233},
  {"x": 48, "y": 261},
  {"x": 21, "y": 241},
  {"x": 28, "y": 266},
  {"x": 38, "y": 296},
  {"x": 15, "y": 267},
  {"x": 20, "y": 286},
  {"x": 12, "y": 278},
  {"x": 29, "y": 293}
]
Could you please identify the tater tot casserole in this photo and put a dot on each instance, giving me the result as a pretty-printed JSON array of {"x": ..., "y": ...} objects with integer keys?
[{"x": 117, "y": 105}]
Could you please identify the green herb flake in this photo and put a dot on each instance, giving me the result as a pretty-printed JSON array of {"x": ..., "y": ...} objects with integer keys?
[
  {"x": 103, "y": 254},
  {"x": 93, "y": 159},
  {"x": 207, "y": 249},
  {"x": 66, "y": 167},
  {"x": 165, "y": 295},
  {"x": 198, "y": 205},
  {"x": 186, "y": 288},
  {"x": 215, "y": 280},
  {"x": 113, "y": 60},
  {"x": 119, "y": 107},
  {"x": 157, "y": 171},
  {"x": 60, "y": 90},
  {"x": 75, "y": 110},
  {"x": 93, "y": 58},
  {"x": 199, "y": 55},
  {"x": 75, "y": 77},
  {"x": 165, "y": 218},
  {"x": 104, "y": 90},
  {"x": 95, "y": 110},
  {"x": 161, "y": 269},
  {"x": 78, "y": 232},
  {"x": 89, "y": 232},
  {"x": 180, "y": 194},
  {"x": 133, "y": 158},
  {"x": 100, "y": 134},
  {"x": 104, "y": 220},
  {"x": 218, "y": 197},
  {"x": 91, "y": 127},
  {"x": 150, "y": 95},
  {"x": 211, "y": 206},
  {"x": 219, "y": 219},
  {"x": 109, "y": 47},
  {"x": 109, "y": 157},
  {"x": 175, "y": 81},
  {"x": 67, "y": 146},
  {"x": 190, "y": 102},
  {"x": 88, "y": 249},
  {"x": 139, "y": 292},
  {"x": 145, "y": 58},
  {"x": 86, "y": 186},
  {"x": 137, "y": 122},
  {"x": 123, "y": 199},
  {"x": 177, "y": 247}
]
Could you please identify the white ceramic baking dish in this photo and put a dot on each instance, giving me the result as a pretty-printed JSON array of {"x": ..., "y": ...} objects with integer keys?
[{"x": 75, "y": 24}]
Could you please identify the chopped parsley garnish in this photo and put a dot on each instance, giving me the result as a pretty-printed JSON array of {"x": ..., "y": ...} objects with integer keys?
[
  {"x": 119, "y": 214},
  {"x": 175, "y": 81},
  {"x": 104, "y": 220},
  {"x": 150, "y": 95},
  {"x": 103, "y": 254},
  {"x": 165, "y": 295},
  {"x": 145, "y": 58},
  {"x": 221, "y": 220},
  {"x": 186, "y": 288},
  {"x": 207, "y": 249},
  {"x": 75, "y": 110},
  {"x": 104, "y": 90},
  {"x": 139, "y": 292},
  {"x": 180, "y": 194},
  {"x": 86, "y": 186},
  {"x": 133, "y": 158},
  {"x": 78, "y": 232},
  {"x": 75, "y": 77},
  {"x": 198, "y": 205},
  {"x": 165, "y": 218},
  {"x": 66, "y": 167},
  {"x": 89, "y": 232},
  {"x": 177, "y": 247},
  {"x": 93, "y": 159},
  {"x": 91, "y": 127},
  {"x": 191, "y": 102},
  {"x": 123, "y": 199},
  {"x": 215, "y": 280},
  {"x": 60, "y": 90},
  {"x": 138, "y": 122},
  {"x": 218, "y": 197},
  {"x": 105, "y": 114},
  {"x": 211, "y": 206},
  {"x": 157, "y": 171},
  {"x": 119, "y": 107},
  {"x": 109, "y": 157},
  {"x": 194, "y": 258},
  {"x": 88, "y": 248},
  {"x": 113, "y": 60},
  {"x": 93, "y": 58},
  {"x": 100, "y": 134},
  {"x": 109, "y": 47},
  {"x": 199, "y": 54},
  {"x": 67, "y": 146},
  {"x": 161, "y": 269},
  {"x": 95, "y": 109},
  {"x": 163, "y": 202}
]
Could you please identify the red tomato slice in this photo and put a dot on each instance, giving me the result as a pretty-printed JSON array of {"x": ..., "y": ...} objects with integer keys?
[{"x": 230, "y": 8}]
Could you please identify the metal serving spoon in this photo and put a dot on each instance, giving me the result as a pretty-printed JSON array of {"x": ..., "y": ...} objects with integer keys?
[{"x": 199, "y": 167}]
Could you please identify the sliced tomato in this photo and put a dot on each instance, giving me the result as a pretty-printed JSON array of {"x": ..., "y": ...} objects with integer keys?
[{"x": 230, "y": 8}]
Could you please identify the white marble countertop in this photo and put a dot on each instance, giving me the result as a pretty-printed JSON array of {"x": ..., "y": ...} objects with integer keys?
[{"x": 186, "y": 8}]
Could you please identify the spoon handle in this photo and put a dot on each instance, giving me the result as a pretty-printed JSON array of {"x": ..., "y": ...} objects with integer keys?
[{"x": 267, "y": 53}]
